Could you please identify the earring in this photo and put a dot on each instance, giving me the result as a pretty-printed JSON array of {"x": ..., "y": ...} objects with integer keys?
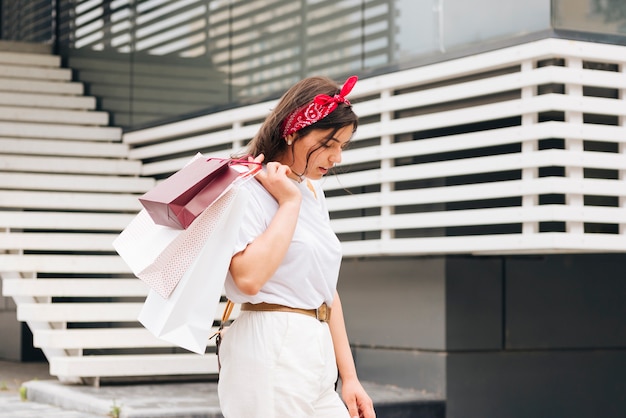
[{"x": 289, "y": 142}]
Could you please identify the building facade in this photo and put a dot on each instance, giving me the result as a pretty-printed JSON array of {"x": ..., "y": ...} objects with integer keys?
[{"x": 482, "y": 206}]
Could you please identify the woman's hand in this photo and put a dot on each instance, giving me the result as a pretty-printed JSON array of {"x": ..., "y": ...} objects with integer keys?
[
  {"x": 359, "y": 404},
  {"x": 275, "y": 179}
]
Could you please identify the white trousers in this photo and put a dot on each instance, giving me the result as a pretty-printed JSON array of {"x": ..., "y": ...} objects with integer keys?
[{"x": 278, "y": 365}]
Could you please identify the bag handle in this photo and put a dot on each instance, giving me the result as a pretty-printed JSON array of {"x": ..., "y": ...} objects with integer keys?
[{"x": 228, "y": 309}]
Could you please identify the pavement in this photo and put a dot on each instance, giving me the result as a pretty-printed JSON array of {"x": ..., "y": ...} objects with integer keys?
[{"x": 44, "y": 396}]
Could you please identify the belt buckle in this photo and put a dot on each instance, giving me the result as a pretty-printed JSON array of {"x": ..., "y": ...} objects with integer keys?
[{"x": 322, "y": 313}]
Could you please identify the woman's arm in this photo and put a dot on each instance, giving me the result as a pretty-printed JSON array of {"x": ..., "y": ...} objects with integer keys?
[
  {"x": 257, "y": 263},
  {"x": 359, "y": 403}
]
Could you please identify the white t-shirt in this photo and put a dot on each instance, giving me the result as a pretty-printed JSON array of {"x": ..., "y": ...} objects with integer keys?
[{"x": 308, "y": 274}]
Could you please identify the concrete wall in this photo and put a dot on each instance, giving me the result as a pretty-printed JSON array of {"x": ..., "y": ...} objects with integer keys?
[
  {"x": 10, "y": 330},
  {"x": 497, "y": 336}
]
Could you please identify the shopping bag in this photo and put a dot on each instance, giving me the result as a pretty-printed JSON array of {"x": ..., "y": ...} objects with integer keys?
[
  {"x": 180, "y": 199},
  {"x": 160, "y": 255},
  {"x": 186, "y": 317}
]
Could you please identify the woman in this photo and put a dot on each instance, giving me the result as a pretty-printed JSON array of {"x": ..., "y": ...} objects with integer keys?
[{"x": 281, "y": 356}]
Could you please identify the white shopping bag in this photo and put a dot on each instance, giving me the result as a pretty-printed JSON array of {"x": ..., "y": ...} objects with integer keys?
[
  {"x": 186, "y": 317},
  {"x": 160, "y": 255}
]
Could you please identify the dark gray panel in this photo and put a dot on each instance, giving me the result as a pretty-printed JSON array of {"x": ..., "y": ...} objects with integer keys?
[
  {"x": 394, "y": 302},
  {"x": 566, "y": 301},
  {"x": 423, "y": 371},
  {"x": 474, "y": 303},
  {"x": 572, "y": 384}
]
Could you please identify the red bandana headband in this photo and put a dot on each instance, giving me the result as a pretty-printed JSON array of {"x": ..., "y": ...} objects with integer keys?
[{"x": 321, "y": 106}]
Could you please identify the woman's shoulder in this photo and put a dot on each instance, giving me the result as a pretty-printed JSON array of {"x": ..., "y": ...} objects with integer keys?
[{"x": 257, "y": 191}]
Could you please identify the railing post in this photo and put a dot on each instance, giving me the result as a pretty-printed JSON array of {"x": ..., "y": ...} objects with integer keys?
[
  {"x": 385, "y": 165},
  {"x": 622, "y": 147},
  {"x": 574, "y": 174},
  {"x": 529, "y": 174},
  {"x": 237, "y": 144}
]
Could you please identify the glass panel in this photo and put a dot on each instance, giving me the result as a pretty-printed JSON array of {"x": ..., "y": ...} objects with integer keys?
[
  {"x": 150, "y": 61},
  {"x": 600, "y": 16},
  {"x": 172, "y": 71},
  {"x": 31, "y": 21},
  {"x": 417, "y": 28},
  {"x": 480, "y": 20},
  {"x": 95, "y": 42}
]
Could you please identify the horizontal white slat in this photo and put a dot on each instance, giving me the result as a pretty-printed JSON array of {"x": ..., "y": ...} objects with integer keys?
[
  {"x": 57, "y": 131},
  {"x": 65, "y": 220},
  {"x": 474, "y": 114},
  {"x": 491, "y": 85},
  {"x": 482, "y": 139},
  {"x": 477, "y": 191},
  {"x": 50, "y": 241},
  {"x": 74, "y": 287},
  {"x": 79, "y": 312},
  {"x": 61, "y": 148},
  {"x": 30, "y": 72},
  {"x": 52, "y": 164},
  {"x": 505, "y": 162},
  {"x": 174, "y": 164},
  {"x": 133, "y": 365},
  {"x": 98, "y": 338},
  {"x": 109, "y": 264},
  {"x": 548, "y": 243},
  {"x": 195, "y": 142},
  {"x": 63, "y": 182},
  {"x": 488, "y": 216},
  {"x": 41, "y": 86},
  {"x": 194, "y": 125},
  {"x": 27, "y": 58},
  {"x": 86, "y": 312},
  {"x": 47, "y": 101},
  {"x": 100, "y": 202},
  {"x": 61, "y": 116}
]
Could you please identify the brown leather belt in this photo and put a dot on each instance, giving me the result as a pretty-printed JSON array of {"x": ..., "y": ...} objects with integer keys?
[{"x": 321, "y": 314}]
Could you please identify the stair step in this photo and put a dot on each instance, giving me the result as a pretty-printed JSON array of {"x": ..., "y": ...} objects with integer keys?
[
  {"x": 65, "y": 264},
  {"x": 28, "y": 59},
  {"x": 60, "y": 148},
  {"x": 37, "y": 164},
  {"x": 61, "y": 116},
  {"x": 134, "y": 365},
  {"x": 74, "y": 287},
  {"x": 37, "y": 73},
  {"x": 79, "y": 312},
  {"x": 97, "y": 202},
  {"x": 50, "y": 241},
  {"x": 41, "y": 86},
  {"x": 66, "y": 221},
  {"x": 55, "y": 131},
  {"x": 25, "y": 47},
  {"x": 98, "y": 338},
  {"x": 34, "y": 100},
  {"x": 77, "y": 183}
]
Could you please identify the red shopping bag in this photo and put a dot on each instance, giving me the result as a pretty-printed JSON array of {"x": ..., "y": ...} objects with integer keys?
[{"x": 182, "y": 197}]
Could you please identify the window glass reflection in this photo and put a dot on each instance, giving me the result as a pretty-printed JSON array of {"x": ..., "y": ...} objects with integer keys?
[{"x": 155, "y": 60}]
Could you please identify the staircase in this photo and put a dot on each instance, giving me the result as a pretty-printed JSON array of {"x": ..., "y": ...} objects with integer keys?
[{"x": 66, "y": 191}]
